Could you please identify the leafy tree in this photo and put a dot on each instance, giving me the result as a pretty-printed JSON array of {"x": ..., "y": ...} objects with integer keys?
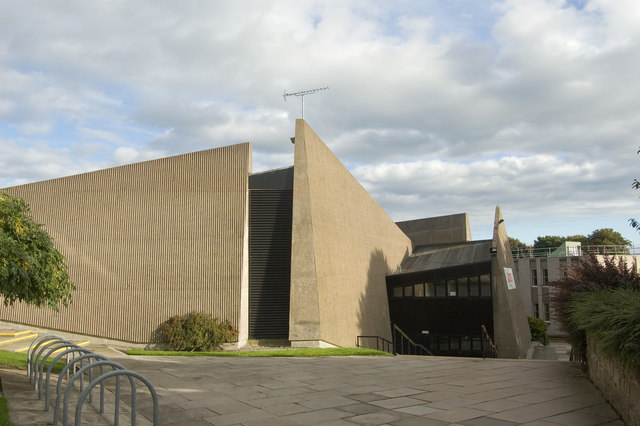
[
  {"x": 607, "y": 237},
  {"x": 635, "y": 185},
  {"x": 517, "y": 244},
  {"x": 31, "y": 269},
  {"x": 599, "y": 237},
  {"x": 589, "y": 275},
  {"x": 580, "y": 239},
  {"x": 549, "y": 241}
]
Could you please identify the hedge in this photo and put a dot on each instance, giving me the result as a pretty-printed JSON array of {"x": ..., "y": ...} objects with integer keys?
[{"x": 612, "y": 319}]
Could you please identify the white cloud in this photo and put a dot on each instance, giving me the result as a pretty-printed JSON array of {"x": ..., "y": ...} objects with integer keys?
[
  {"x": 101, "y": 135},
  {"x": 128, "y": 155},
  {"x": 22, "y": 164},
  {"x": 124, "y": 155},
  {"x": 528, "y": 187},
  {"x": 438, "y": 107}
]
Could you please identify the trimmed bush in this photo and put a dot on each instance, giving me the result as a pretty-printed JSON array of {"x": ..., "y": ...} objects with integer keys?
[
  {"x": 196, "y": 331},
  {"x": 538, "y": 330},
  {"x": 611, "y": 318}
]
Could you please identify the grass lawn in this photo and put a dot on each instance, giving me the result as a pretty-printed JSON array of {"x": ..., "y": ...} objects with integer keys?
[
  {"x": 19, "y": 361},
  {"x": 9, "y": 360},
  {"x": 13, "y": 360},
  {"x": 300, "y": 352},
  {"x": 16, "y": 361},
  {"x": 4, "y": 412}
]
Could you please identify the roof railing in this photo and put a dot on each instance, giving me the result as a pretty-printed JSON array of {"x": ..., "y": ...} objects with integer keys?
[{"x": 574, "y": 251}]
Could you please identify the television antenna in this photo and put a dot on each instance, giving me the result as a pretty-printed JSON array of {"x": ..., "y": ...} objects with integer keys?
[{"x": 302, "y": 94}]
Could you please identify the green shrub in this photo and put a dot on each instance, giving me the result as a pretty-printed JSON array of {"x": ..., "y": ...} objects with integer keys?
[
  {"x": 586, "y": 276},
  {"x": 538, "y": 330},
  {"x": 196, "y": 331},
  {"x": 611, "y": 318}
]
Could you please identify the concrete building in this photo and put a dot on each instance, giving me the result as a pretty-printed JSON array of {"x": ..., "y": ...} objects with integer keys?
[
  {"x": 302, "y": 253},
  {"x": 450, "y": 286},
  {"x": 536, "y": 268},
  {"x": 147, "y": 241}
]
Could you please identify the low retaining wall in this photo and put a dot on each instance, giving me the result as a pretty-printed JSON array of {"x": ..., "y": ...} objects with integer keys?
[{"x": 619, "y": 385}]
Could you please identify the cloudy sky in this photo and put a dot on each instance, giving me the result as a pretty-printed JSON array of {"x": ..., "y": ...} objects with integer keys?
[{"x": 436, "y": 107}]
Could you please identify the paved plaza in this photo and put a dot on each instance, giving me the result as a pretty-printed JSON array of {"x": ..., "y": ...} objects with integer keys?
[{"x": 403, "y": 390}]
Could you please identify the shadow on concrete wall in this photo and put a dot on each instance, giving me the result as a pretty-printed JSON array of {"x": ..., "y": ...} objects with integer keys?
[
  {"x": 373, "y": 314},
  {"x": 156, "y": 340}
]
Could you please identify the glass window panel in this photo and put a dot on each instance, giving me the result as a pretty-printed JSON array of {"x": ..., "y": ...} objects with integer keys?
[
  {"x": 418, "y": 290},
  {"x": 547, "y": 312},
  {"x": 397, "y": 292},
  {"x": 429, "y": 290},
  {"x": 476, "y": 344},
  {"x": 474, "y": 286},
  {"x": 563, "y": 267},
  {"x": 408, "y": 291},
  {"x": 441, "y": 289},
  {"x": 455, "y": 342},
  {"x": 463, "y": 287},
  {"x": 485, "y": 285},
  {"x": 443, "y": 342},
  {"x": 433, "y": 342},
  {"x": 465, "y": 344},
  {"x": 451, "y": 288}
]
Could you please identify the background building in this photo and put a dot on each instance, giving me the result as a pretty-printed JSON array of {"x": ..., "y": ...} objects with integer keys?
[{"x": 535, "y": 268}]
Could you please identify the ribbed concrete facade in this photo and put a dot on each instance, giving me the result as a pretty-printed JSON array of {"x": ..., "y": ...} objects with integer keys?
[
  {"x": 147, "y": 241},
  {"x": 343, "y": 245}
]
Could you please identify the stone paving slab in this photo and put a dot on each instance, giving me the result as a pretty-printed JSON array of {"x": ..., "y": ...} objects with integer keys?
[{"x": 399, "y": 391}]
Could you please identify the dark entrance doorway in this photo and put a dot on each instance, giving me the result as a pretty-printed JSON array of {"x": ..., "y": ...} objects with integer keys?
[{"x": 443, "y": 309}]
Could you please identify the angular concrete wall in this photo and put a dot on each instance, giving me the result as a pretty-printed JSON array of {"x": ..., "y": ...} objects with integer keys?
[
  {"x": 437, "y": 230},
  {"x": 343, "y": 245},
  {"x": 147, "y": 241},
  {"x": 510, "y": 325}
]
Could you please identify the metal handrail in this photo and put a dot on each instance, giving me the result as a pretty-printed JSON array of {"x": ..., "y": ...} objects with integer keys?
[
  {"x": 489, "y": 350},
  {"x": 574, "y": 251},
  {"x": 413, "y": 348},
  {"x": 382, "y": 344}
]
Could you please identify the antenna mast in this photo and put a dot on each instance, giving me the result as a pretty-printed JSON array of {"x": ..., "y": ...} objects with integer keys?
[{"x": 301, "y": 94}]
